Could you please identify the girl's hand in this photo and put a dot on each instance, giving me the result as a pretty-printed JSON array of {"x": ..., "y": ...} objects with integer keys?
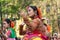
[
  {"x": 23, "y": 14},
  {"x": 4, "y": 28},
  {"x": 8, "y": 33}
]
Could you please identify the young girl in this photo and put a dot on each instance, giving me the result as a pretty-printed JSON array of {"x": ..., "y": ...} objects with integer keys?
[
  {"x": 36, "y": 26},
  {"x": 10, "y": 32}
]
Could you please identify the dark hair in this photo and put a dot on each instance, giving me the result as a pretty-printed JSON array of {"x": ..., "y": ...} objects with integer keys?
[
  {"x": 45, "y": 24},
  {"x": 8, "y": 21},
  {"x": 34, "y": 9}
]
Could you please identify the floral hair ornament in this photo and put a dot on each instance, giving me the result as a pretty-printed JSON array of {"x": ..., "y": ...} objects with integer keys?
[
  {"x": 12, "y": 24},
  {"x": 39, "y": 13}
]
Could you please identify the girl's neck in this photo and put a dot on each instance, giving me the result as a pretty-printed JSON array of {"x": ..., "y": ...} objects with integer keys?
[
  {"x": 8, "y": 27},
  {"x": 34, "y": 17}
]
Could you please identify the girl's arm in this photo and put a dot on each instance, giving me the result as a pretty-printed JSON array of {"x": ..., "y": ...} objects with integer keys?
[
  {"x": 22, "y": 32},
  {"x": 33, "y": 24}
]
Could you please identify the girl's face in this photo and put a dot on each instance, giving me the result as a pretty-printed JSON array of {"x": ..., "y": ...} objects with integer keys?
[
  {"x": 5, "y": 24},
  {"x": 31, "y": 12}
]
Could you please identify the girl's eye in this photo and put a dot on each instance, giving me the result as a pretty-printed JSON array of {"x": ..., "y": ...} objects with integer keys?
[
  {"x": 29, "y": 10},
  {"x": 4, "y": 23}
]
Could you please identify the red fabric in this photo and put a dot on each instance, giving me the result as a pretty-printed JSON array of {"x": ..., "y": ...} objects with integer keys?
[
  {"x": 40, "y": 34},
  {"x": 36, "y": 32}
]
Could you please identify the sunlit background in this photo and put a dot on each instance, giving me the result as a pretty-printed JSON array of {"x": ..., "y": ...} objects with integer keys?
[{"x": 50, "y": 10}]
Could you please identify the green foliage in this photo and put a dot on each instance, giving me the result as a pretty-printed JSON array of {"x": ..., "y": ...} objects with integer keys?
[{"x": 12, "y": 7}]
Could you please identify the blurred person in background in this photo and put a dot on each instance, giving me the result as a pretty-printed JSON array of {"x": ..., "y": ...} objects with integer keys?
[
  {"x": 10, "y": 32},
  {"x": 58, "y": 36},
  {"x": 55, "y": 36}
]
